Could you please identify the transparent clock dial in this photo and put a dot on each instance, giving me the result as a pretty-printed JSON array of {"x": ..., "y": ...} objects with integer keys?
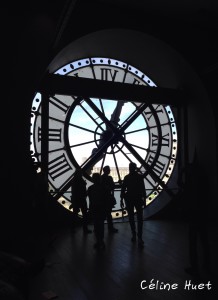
[{"x": 121, "y": 131}]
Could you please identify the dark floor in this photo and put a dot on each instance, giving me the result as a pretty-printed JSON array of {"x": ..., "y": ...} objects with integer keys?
[{"x": 75, "y": 271}]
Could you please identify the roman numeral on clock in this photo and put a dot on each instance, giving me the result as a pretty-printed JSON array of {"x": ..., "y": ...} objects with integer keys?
[
  {"x": 53, "y": 135},
  {"x": 165, "y": 139},
  {"x": 108, "y": 74},
  {"x": 159, "y": 167},
  {"x": 58, "y": 166}
]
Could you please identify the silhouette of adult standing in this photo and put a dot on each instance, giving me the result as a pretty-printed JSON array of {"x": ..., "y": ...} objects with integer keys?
[
  {"x": 133, "y": 192},
  {"x": 98, "y": 208},
  {"x": 109, "y": 185},
  {"x": 79, "y": 194}
]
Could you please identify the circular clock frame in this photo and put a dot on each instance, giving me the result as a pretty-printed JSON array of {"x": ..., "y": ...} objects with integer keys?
[{"x": 161, "y": 148}]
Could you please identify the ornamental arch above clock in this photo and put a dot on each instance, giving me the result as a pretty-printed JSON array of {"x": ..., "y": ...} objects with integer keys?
[{"x": 91, "y": 132}]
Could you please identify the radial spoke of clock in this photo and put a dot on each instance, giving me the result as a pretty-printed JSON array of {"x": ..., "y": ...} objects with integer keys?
[
  {"x": 91, "y": 117},
  {"x": 82, "y": 144},
  {"x": 84, "y": 128},
  {"x": 112, "y": 148},
  {"x": 115, "y": 161},
  {"x": 137, "y": 130},
  {"x": 139, "y": 147}
]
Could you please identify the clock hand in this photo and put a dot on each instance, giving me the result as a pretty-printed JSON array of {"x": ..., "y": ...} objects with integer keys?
[{"x": 115, "y": 118}]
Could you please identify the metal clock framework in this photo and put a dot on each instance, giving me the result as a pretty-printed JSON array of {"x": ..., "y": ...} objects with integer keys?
[{"x": 92, "y": 132}]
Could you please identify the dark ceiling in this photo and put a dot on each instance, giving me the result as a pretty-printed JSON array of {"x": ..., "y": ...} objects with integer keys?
[
  {"x": 34, "y": 32},
  {"x": 37, "y": 30},
  {"x": 44, "y": 27}
]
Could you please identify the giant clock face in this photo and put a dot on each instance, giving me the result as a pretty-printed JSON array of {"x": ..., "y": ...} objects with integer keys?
[{"x": 121, "y": 131}]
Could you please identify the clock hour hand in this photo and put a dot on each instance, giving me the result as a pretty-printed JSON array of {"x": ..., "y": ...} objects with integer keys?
[{"x": 115, "y": 116}]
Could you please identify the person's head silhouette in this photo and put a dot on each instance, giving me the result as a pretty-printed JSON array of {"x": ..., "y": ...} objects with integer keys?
[
  {"x": 96, "y": 177},
  {"x": 132, "y": 167},
  {"x": 106, "y": 170}
]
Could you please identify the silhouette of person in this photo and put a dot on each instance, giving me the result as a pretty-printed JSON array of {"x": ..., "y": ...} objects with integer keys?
[
  {"x": 194, "y": 197},
  {"x": 134, "y": 194},
  {"x": 109, "y": 185},
  {"x": 98, "y": 208},
  {"x": 79, "y": 194}
]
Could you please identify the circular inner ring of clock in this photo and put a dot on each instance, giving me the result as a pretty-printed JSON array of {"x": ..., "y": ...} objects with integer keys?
[{"x": 91, "y": 133}]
